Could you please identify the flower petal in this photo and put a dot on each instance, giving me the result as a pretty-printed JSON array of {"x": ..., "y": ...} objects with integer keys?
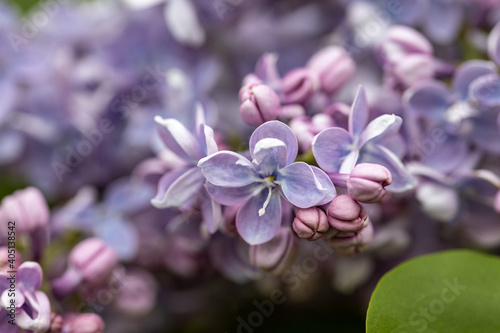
[
  {"x": 349, "y": 162},
  {"x": 40, "y": 306},
  {"x": 205, "y": 133},
  {"x": 255, "y": 229},
  {"x": 494, "y": 44},
  {"x": 183, "y": 23},
  {"x": 300, "y": 186},
  {"x": 269, "y": 155},
  {"x": 175, "y": 191},
  {"x": 468, "y": 72},
  {"x": 486, "y": 132},
  {"x": 359, "y": 113},
  {"x": 120, "y": 235},
  {"x": 326, "y": 183},
  {"x": 402, "y": 180},
  {"x": 443, "y": 21},
  {"x": 438, "y": 201},
  {"x": 232, "y": 195},
  {"x": 277, "y": 130},
  {"x": 30, "y": 275},
  {"x": 381, "y": 127},
  {"x": 142, "y": 4},
  {"x": 330, "y": 147},
  {"x": 178, "y": 139},
  {"x": 126, "y": 195},
  {"x": 226, "y": 168},
  {"x": 430, "y": 99},
  {"x": 212, "y": 214},
  {"x": 485, "y": 90}
]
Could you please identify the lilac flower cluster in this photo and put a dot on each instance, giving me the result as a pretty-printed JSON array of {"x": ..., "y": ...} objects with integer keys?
[{"x": 270, "y": 131}]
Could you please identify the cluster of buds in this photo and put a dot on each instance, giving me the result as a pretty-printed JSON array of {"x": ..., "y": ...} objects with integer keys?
[
  {"x": 345, "y": 225},
  {"x": 265, "y": 96},
  {"x": 407, "y": 57}
]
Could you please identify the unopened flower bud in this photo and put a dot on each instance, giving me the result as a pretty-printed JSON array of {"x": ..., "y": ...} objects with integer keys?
[
  {"x": 299, "y": 85},
  {"x": 91, "y": 261},
  {"x": 310, "y": 223},
  {"x": 259, "y": 103},
  {"x": 401, "y": 41},
  {"x": 334, "y": 67},
  {"x": 351, "y": 243},
  {"x": 56, "y": 323},
  {"x": 277, "y": 255},
  {"x": 84, "y": 323},
  {"x": 346, "y": 214},
  {"x": 367, "y": 182}
]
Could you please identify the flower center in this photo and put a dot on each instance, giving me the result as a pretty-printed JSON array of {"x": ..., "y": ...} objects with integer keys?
[{"x": 270, "y": 184}]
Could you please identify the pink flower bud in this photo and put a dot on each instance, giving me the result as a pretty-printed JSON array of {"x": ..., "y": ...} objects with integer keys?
[
  {"x": 367, "y": 182},
  {"x": 91, "y": 261},
  {"x": 299, "y": 85},
  {"x": 334, "y": 67},
  {"x": 401, "y": 41},
  {"x": 310, "y": 223},
  {"x": 84, "y": 323},
  {"x": 277, "y": 255},
  {"x": 346, "y": 214},
  {"x": 56, "y": 323},
  {"x": 305, "y": 128},
  {"x": 259, "y": 103},
  {"x": 351, "y": 243}
]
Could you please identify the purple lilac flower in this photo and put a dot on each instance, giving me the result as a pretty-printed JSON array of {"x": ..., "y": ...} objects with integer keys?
[
  {"x": 463, "y": 198},
  {"x": 338, "y": 151},
  {"x": 183, "y": 186},
  {"x": 455, "y": 120},
  {"x": 31, "y": 306},
  {"x": 271, "y": 174}
]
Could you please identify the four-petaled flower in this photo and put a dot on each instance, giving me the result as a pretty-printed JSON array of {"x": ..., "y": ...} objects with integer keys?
[
  {"x": 272, "y": 173},
  {"x": 338, "y": 151}
]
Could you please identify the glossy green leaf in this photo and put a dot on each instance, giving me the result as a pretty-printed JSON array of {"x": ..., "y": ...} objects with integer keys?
[{"x": 454, "y": 291}]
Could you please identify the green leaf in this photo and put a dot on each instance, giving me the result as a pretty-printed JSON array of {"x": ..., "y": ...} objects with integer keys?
[{"x": 454, "y": 291}]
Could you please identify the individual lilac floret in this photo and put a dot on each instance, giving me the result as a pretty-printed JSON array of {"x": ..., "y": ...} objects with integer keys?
[
  {"x": 333, "y": 66},
  {"x": 494, "y": 44},
  {"x": 306, "y": 128},
  {"x": 406, "y": 56},
  {"x": 83, "y": 323},
  {"x": 30, "y": 307},
  {"x": 272, "y": 174},
  {"x": 30, "y": 212},
  {"x": 453, "y": 120},
  {"x": 56, "y": 323},
  {"x": 464, "y": 198},
  {"x": 310, "y": 223},
  {"x": 91, "y": 261},
  {"x": 259, "y": 103},
  {"x": 367, "y": 182},
  {"x": 183, "y": 186},
  {"x": 338, "y": 151},
  {"x": 349, "y": 244},
  {"x": 346, "y": 214},
  {"x": 277, "y": 255},
  {"x": 299, "y": 85}
]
